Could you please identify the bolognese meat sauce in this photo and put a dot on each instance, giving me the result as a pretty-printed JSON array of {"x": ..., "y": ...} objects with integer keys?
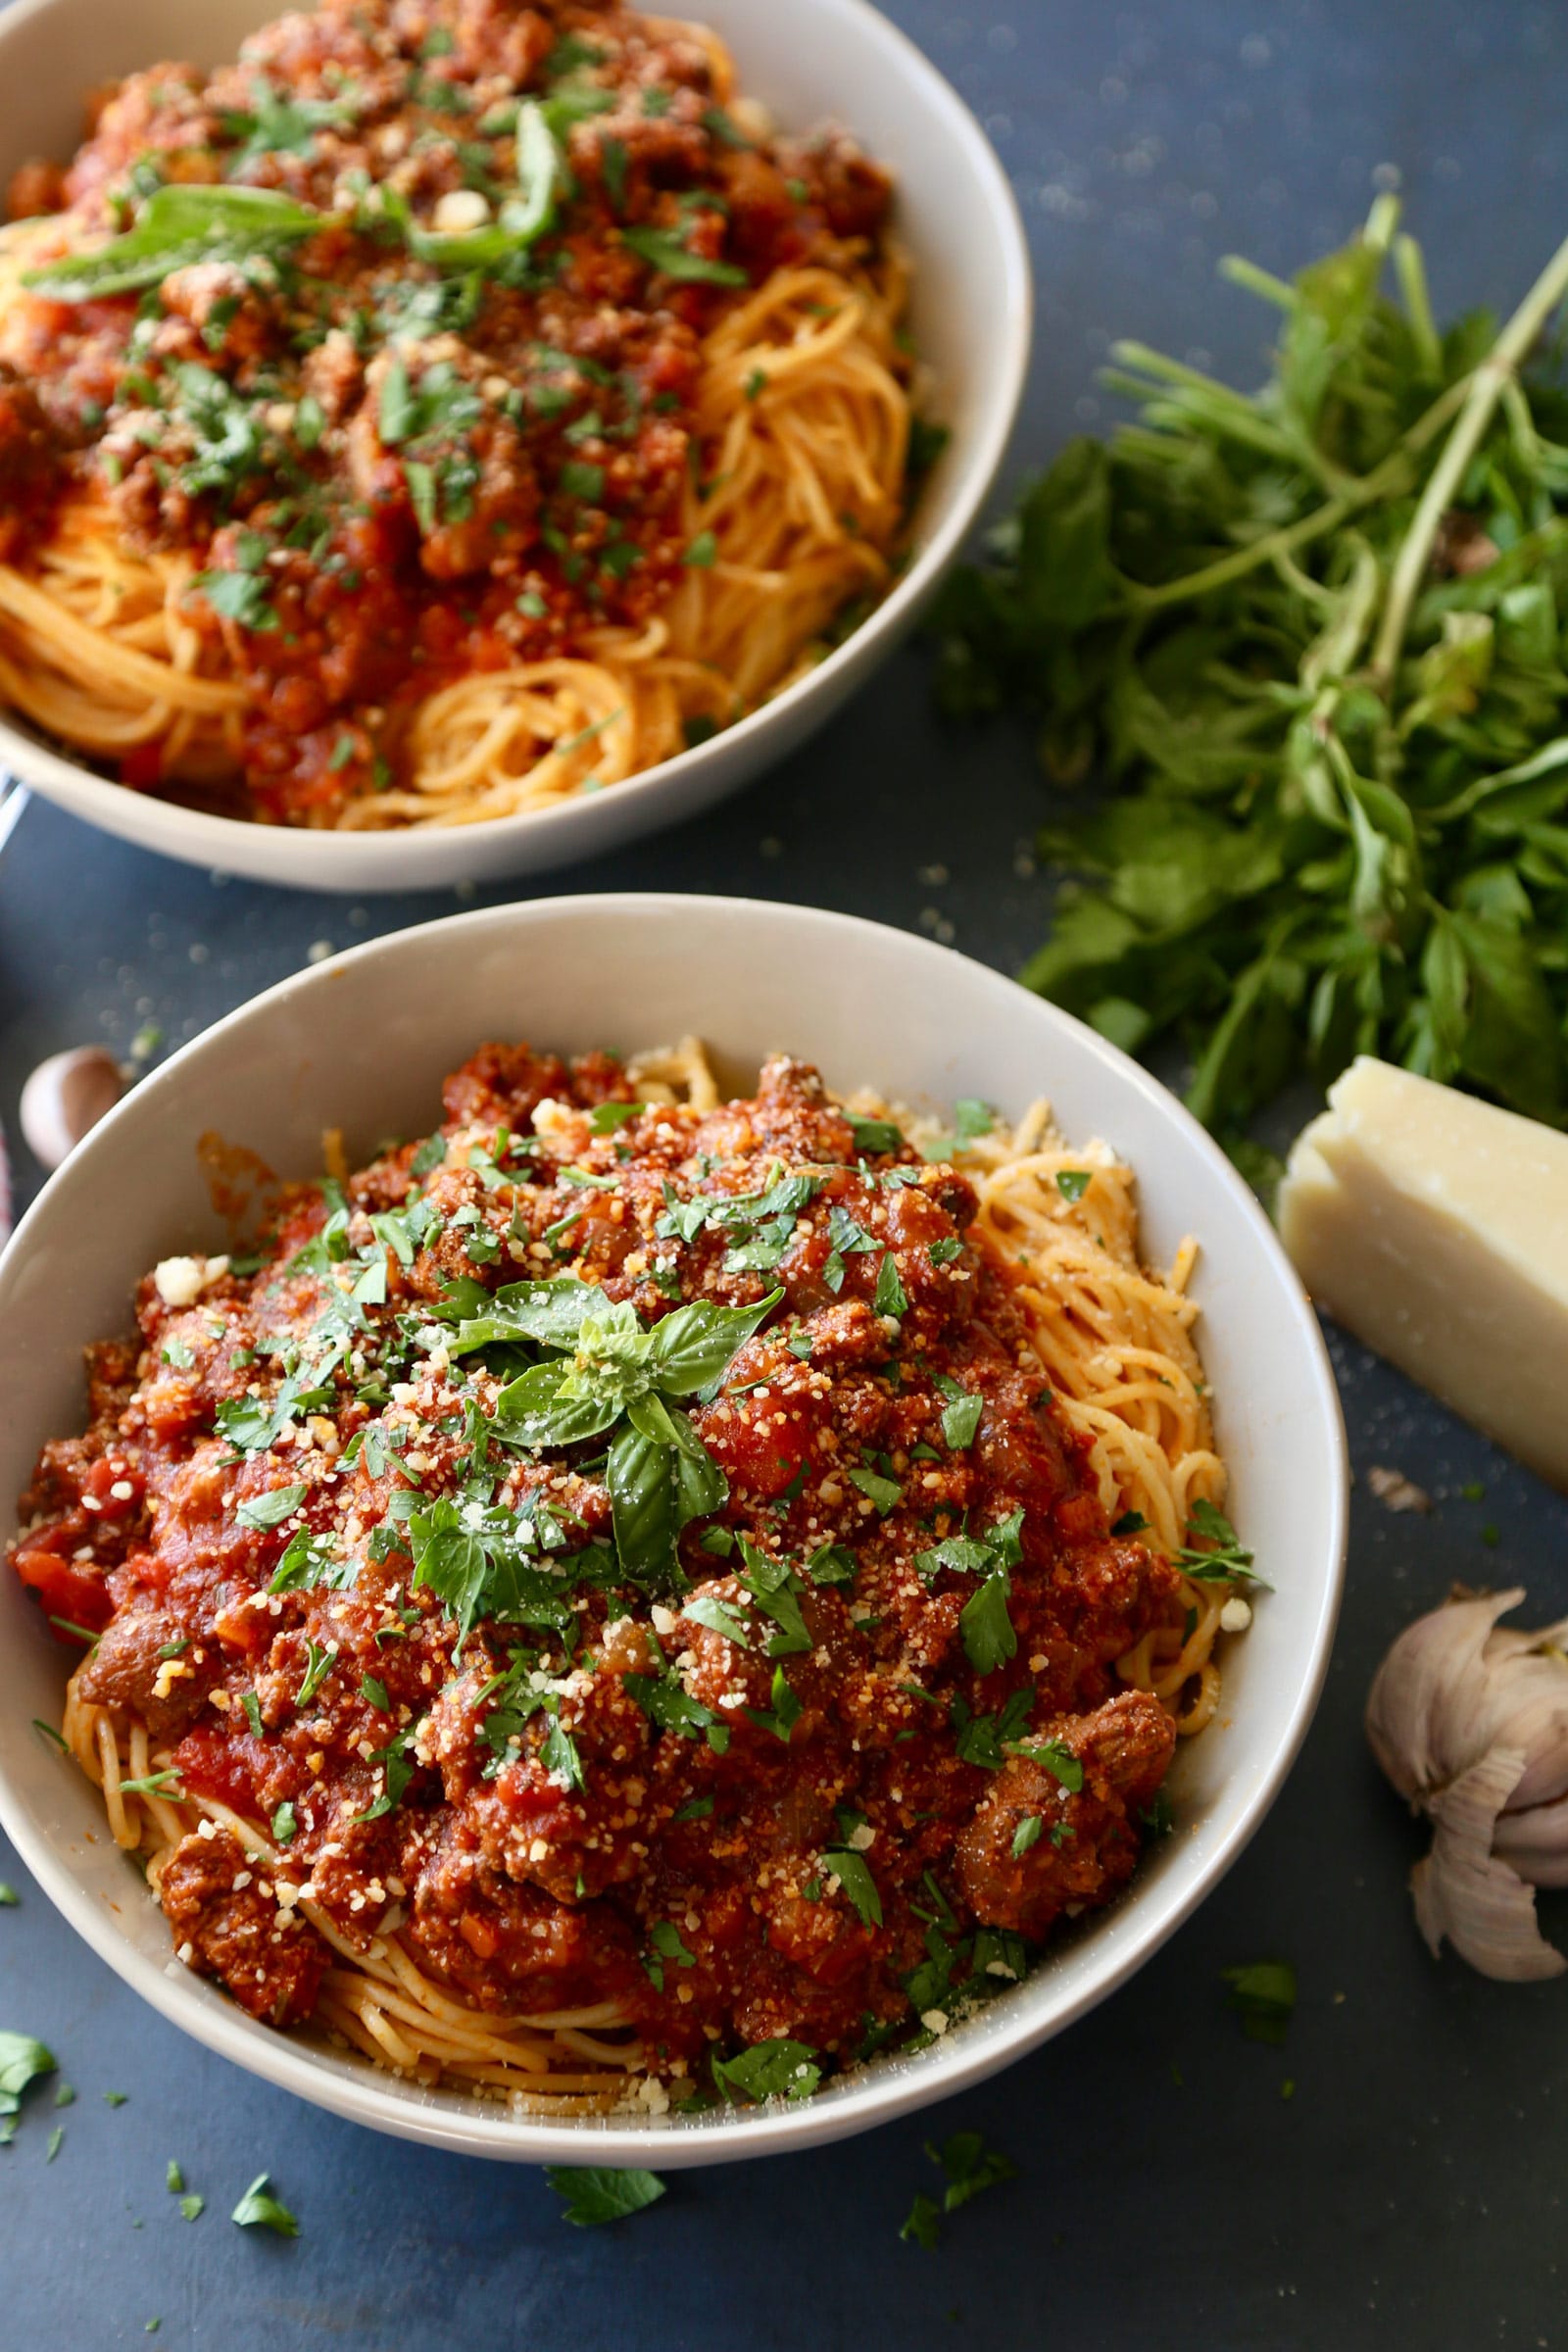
[
  {"x": 408, "y": 357},
  {"x": 632, "y": 1550}
]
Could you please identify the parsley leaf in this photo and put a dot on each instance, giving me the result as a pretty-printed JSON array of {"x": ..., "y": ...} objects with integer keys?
[
  {"x": 769, "y": 2070},
  {"x": 853, "y": 1875},
  {"x": 259, "y": 2209},
  {"x": 1223, "y": 1559},
  {"x": 598, "y": 2192},
  {"x": 21, "y": 2061},
  {"x": 271, "y": 1508},
  {"x": 891, "y": 1298},
  {"x": 874, "y": 1135},
  {"x": 1304, "y": 636},
  {"x": 662, "y": 250},
  {"x": 1263, "y": 1994}
]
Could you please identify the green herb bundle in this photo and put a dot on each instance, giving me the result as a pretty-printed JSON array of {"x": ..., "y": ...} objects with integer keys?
[{"x": 1314, "y": 641}]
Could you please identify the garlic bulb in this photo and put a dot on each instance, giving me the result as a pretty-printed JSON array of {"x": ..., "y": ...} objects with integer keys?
[
  {"x": 64, "y": 1097},
  {"x": 1470, "y": 1722}
]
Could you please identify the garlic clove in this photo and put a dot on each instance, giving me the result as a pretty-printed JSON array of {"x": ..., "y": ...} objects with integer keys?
[
  {"x": 1425, "y": 1715},
  {"x": 1534, "y": 1842},
  {"x": 64, "y": 1097},
  {"x": 1465, "y": 1893}
]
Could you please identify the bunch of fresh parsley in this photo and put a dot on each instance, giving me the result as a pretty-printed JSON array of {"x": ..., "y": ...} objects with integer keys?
[{"x": 1314, "y": 641}]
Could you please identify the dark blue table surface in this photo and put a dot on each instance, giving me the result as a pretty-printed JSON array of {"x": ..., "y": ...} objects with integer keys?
[{"x": 1392, "y": 2173}]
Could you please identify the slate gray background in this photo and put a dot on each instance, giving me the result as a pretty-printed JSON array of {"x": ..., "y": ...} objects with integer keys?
[{"x": 1408, "y": 2188}]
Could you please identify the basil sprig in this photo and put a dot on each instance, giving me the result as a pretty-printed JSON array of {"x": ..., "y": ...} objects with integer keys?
[
  {"x": 182, "y": 225},
  {"x": 522, "y": 220},
  {"x": 610, "y": 1373},
  {"x": 176, "y": 226}
]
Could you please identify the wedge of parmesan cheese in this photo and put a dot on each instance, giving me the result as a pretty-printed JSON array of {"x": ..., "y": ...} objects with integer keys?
[{"x": 1435, "y": 1228}]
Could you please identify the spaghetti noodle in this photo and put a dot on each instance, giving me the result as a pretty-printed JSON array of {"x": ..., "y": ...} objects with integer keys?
[
  {"x": 366, "y": 521},
  {"x": 1050, "y": 1253}
]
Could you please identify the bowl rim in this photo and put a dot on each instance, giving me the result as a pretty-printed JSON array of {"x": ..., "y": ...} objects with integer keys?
[
  {"x": 216, "y": 841},
  {"x": 356, "y": 2090}
]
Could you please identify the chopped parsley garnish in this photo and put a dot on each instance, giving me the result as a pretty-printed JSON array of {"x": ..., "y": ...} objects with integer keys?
[
  {"x": 1263, "y": 1995},
  {"x": 1223, "y": 1558},
  {"x": 319, "y": 1659},
  {"x": 769, "y": 2070},
  {"x": 853, "y": 1875},
  {"x": 970, "y": 2167},
  {"x": 785, "y": 1712},
  {"x": 271, "y": 1509},
  {"x": 663, "y": 251},
  {"x": 883, "y": 1492},
  {"x": 891, "y": 1298},
  {"x": 1073, "y": 1183}
]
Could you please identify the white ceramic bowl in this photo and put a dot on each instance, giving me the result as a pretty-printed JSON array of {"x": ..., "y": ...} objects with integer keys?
[
  {"x": 809, "y": 61},
  {"x": 361, "y": 1042}
]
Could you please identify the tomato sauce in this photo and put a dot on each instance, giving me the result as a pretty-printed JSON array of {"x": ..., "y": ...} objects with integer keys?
[
  {"x": 797, "y": 1717},
  {"x": 428, "y": 431}
]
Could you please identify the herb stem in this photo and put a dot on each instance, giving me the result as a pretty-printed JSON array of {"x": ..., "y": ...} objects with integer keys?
[
  {"x": 1484, "y": 390},
  {"x": 1382, "y": 483},
  {"x": 1410, "y": 269}
]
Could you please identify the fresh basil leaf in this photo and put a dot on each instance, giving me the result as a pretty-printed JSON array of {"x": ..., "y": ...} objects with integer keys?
[
  {"x": 522, "y": 218},
  {"x": 641, "y": 1477},
  {"x": 533, "y": 1411},
  {"x": 692, "y": 1346},
  {"x": 549, "y": 1312},
  {"x": 178, "y": 225},
  {"x": 1073, "y": 1183}
]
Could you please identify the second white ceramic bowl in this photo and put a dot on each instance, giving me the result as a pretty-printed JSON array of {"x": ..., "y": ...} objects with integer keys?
[
  {"x": 809, "y": 61},
  {"x": 361, "y": 1043}
]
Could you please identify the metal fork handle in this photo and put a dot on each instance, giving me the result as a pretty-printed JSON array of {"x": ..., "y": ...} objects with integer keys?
[{"x": 14, "y": 799}]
